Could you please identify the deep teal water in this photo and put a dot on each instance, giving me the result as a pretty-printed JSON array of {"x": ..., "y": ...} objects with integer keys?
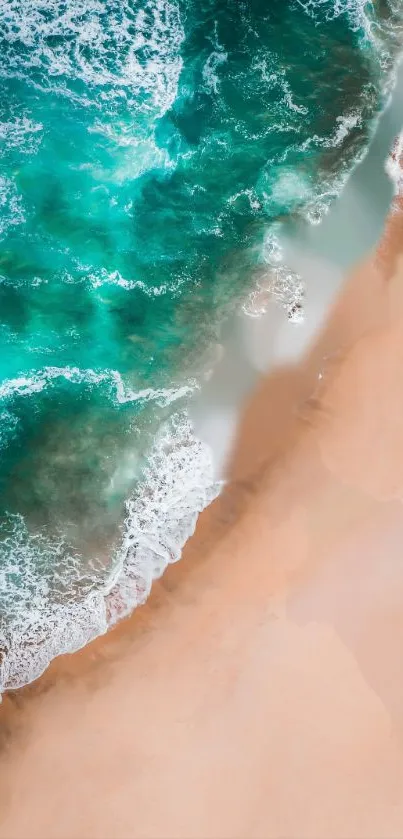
[{"x": 148, "y": 150}]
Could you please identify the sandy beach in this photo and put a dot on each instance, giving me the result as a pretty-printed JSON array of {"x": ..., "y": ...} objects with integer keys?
[{"x": 259, "y": 692}]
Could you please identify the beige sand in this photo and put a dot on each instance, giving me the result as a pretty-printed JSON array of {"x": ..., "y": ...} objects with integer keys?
[{"x": 259, "y": 693}]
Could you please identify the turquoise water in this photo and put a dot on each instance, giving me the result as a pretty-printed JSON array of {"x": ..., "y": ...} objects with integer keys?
[{"x": 149, "y": 150}]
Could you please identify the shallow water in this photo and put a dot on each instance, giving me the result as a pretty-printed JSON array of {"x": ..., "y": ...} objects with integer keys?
[{"x": 151, "y": 152}]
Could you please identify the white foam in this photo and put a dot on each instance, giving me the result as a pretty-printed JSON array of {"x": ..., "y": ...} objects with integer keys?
[
  {"x": 178, "y": 484},
  {"x": 278, "y": 78},
  {"x": 8, "y": 425},
  {"x": 290, "y": 186},
  {"x": 217, "y": 57},
  {"x": 41, "y": 613},
  {"x": 55, "y": 604},
  {"x": 251, "y": 196},
  {"x": 344, "y": 125},
  {"x": 11, "y": 205},
  {"x": 356, "y": 10},
  {"x": 52, "y": 600},
  {"x": 385, "y": 37},
  {"x": 129, "y": 49},
  {"x": 22, "y": 133},
  {"x": 394, "y": 165},
  {"x": 104, "y": 277},
  {"x": 210, "y": 75},
  {"x": 37, "y": 381},
  {"x": 135, "y": 151},
  {"x": 276, "y": 281}
]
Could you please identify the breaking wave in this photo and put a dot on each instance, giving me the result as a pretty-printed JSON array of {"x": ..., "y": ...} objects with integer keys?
[{"x": 54, "y": 605}]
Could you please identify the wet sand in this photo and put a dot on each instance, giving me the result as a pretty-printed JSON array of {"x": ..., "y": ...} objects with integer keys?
[{"x": 259, "y": 692}]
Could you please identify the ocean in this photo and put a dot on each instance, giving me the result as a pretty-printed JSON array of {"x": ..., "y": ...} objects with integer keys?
[{"x": 151, "y": 154}]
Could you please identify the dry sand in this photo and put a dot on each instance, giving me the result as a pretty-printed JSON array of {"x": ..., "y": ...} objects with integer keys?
[{"x": 259, "y": 693}]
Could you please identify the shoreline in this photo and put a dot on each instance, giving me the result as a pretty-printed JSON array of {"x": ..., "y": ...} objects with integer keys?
[
  {"x": 209, "y": 616},
  {"x": 271, "y": 373},
  {"x": 273, "y": 644},
  {"x": 248, "y": 352},
  {"x": 261, "y": 590}
]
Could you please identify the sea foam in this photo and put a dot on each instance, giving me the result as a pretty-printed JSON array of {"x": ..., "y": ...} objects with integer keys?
[
  {"x": 75, "y": 42},
  {"x": 52, "y": 604}
]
